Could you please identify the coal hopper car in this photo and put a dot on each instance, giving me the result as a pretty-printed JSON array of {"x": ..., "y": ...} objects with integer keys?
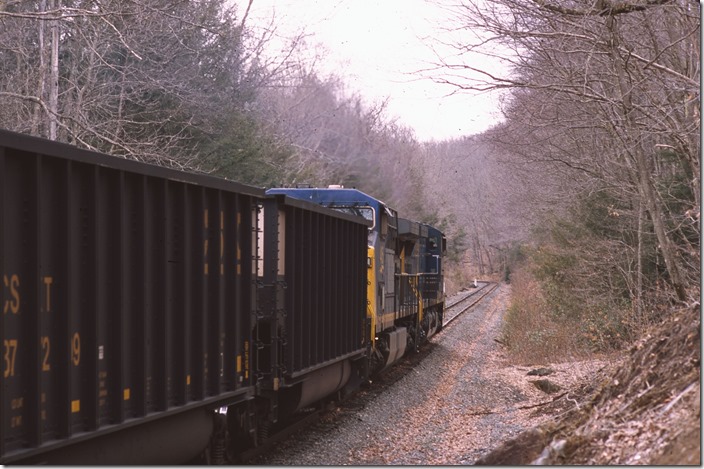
[
  {"x": 404, "y": 275},
  {"x": 311, "y": 334},
  {"x": 156, "y": 316}
]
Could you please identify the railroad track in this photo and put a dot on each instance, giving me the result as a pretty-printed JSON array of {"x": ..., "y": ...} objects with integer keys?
[{"x": 455, "y": 309}]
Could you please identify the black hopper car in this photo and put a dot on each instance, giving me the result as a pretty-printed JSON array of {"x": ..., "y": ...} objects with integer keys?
[{"x": 156, "y": 316}]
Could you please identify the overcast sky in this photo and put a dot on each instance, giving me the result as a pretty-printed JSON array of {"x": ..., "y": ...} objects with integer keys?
[{"x": 376, "y": 46}]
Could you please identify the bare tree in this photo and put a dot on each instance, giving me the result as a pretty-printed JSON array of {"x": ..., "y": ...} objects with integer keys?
[
  {"x": 601, "y": 90},
  {"x": 339, "y": 139},
  {"x": 147, "y": 79}
]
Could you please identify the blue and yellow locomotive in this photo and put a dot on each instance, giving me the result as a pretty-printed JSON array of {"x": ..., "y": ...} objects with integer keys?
[{"x": 405, "y": 288}]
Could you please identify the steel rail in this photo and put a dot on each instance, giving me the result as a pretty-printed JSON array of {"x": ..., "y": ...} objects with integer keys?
[{"x": 475, "y": 298}]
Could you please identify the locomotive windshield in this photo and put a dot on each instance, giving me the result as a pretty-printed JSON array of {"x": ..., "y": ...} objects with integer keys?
[{"x": 360, "y": 210}]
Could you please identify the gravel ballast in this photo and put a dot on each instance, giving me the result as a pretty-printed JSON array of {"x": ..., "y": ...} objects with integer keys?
[{"x": 449, "y": 404}]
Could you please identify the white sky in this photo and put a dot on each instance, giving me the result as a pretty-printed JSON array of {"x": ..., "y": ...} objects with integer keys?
[{"x": 375, "y": 46}]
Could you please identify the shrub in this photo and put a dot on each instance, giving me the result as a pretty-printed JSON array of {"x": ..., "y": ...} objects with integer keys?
[{"x": 532, "y": 334}]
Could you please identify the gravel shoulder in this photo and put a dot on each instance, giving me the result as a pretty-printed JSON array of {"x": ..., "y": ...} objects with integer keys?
[{"x": 449, "y": 404}]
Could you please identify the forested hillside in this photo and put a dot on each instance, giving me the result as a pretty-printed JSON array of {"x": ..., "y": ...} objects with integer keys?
[
  {"x": 187, "y": 84},
  {"x": 598, "y": 161}
]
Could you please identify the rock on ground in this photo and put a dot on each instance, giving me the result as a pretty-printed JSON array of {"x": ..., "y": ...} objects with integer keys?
[{"x": 647, "y": 410}]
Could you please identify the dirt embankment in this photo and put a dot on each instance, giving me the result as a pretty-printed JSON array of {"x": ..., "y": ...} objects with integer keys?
[{"x": 646, "y": 410}]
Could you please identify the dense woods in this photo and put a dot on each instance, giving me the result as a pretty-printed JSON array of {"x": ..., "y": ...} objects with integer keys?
[
  {"x": 589, "y": 191},
  {"x": 601, "y": 148}
]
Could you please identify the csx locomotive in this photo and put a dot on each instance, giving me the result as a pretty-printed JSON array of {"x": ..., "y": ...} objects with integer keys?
[
  {"x": 405, "y": 294},
  {"x": 156, "y": 316}
]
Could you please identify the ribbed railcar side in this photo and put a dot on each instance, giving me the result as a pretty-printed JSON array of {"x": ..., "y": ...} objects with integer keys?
[
  {"x": 321, "y": 309},
  {"x": 127, "y": 298}
]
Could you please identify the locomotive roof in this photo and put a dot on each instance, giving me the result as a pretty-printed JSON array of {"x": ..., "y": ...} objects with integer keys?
[
  {"x": 330, "y": 196},
  {"x": 339, "y": 198}
]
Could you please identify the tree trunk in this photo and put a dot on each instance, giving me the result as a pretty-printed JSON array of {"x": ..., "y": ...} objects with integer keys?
[
  {"x": 645, "y": 183},
  {"x": 488, "y": 258},
  {"x": 639, "y": 261},
  {"x": 41, "y": 76},
  {"x": 54, "y": 76}
]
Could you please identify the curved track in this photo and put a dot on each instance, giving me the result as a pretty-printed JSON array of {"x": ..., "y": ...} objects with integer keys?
[{"x": 467, "y": 301}]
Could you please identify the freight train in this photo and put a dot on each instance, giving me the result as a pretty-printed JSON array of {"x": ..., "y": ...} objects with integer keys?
[{"x": 157, "y": 316}]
